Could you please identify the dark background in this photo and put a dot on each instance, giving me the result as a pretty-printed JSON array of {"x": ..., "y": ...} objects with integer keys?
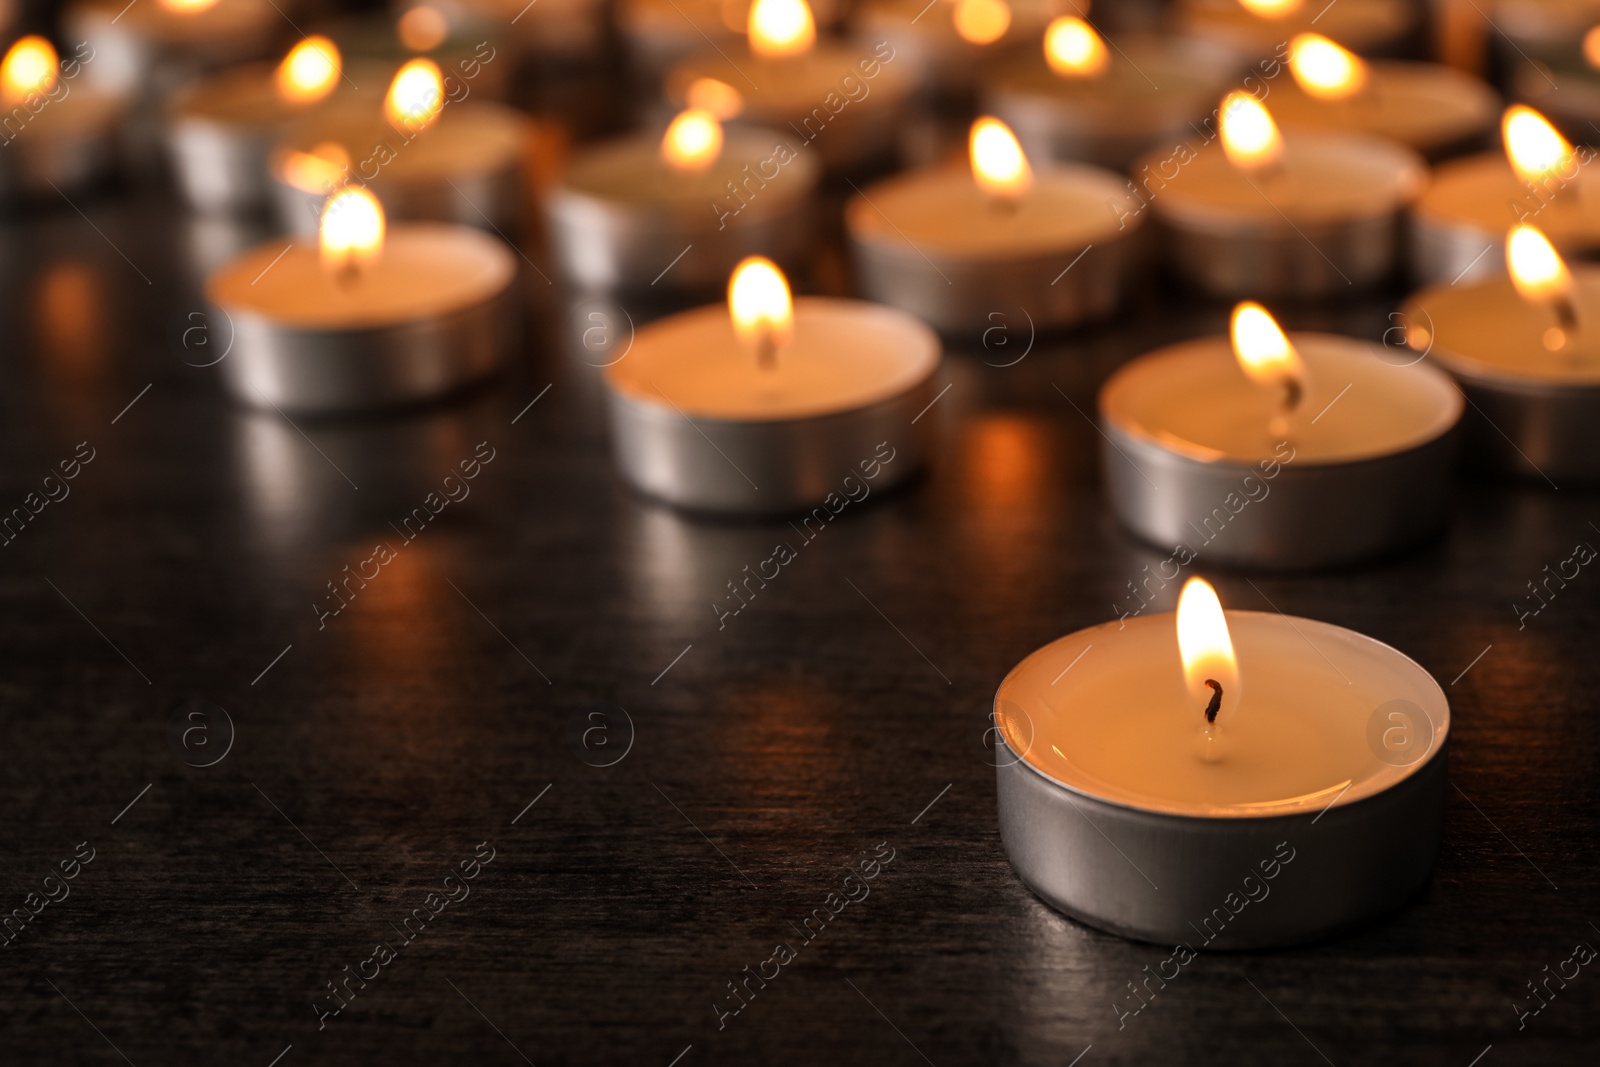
[{"x": 847, "y": 706}]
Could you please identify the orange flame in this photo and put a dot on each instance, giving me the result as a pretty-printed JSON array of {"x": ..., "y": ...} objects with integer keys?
[
  {"x": 1325, "y": 70},
  {"x": 1249, "y": 136},
  {"x": 1533, "y": 146},
  {"x": 309, "y": 72},
  {"x": 28, "y": 68},
  {"x": 416, "y": 96},
  {"x": 1073, "y": 48},
  {"x": 718, "y": 97},
  {"x": 760, "y": 305},
  {"x": 693, "y": 141},
  {"x": 1205, "y": 646},
  {"x": 981, "y": 22},
  {"x": 780, "y": 28},
  {"x": 998, "y": 163},
  {"x": 350, "y": 233}
]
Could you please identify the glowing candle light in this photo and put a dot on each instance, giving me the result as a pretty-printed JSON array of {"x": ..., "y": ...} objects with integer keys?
[
  {"x": 1267, "y": 358},
  {"x": 692, "y": 142},
  {"x": 1074, "y": 50},
  {"x": 781, "y": 28},
  {"x": 423, "y": 28},
  {"x": 416, "y": 96},
  {"x": 761, "y": 308},
  {"x": 1324, "y": 69},
  {"x": 309, "y": 72},
  {"x": 981, "y": 22},
  {"x": 1540, "y": 276},
  {"x": 1536, "y": 150},
  {"x": 1271, "y": 9},
  {"x": 715, "y": 96},
  {"x": 998, "y": 164},
  {"x": 350, "y": 232},
  {"x": 29, "y": 68},
  {"x": 1249, "y": 136}
]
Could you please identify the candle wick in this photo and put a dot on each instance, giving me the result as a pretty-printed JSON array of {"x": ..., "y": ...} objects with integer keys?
[
  {"x": 767, "y": 351},
  {"x": 1216, "y": 701}
]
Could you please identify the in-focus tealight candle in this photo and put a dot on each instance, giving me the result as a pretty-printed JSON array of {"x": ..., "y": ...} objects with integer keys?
[
  {"x": 767, "y": 404},
  {"x": 1256, "y": 213},
  {"x": 1279, "y": 451},
  {"x": 955, "y": 245},
  {"x": 365, "y": 316},
  {"x": 1154, "y": 773},
  {"x": 1525, "y": 348}
]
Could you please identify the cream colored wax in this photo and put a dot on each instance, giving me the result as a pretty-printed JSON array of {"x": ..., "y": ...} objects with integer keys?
[
  {"x": 631, "y": 171},
  {"x": 1489, "y": 330},
  {"x": 1359, "y": 25},
  {"x": 1483, "y": 194},
  {"x": 943, "y": 212},
  {"x": 1425, "y": 105},
  {"x": 844, "y": 355},
  {"x": 1105, "y": 712},
  {"x": 1321, "y": 179},
  {"x": 426, "y": 271},
  {"x": 1360, "y": 401}
]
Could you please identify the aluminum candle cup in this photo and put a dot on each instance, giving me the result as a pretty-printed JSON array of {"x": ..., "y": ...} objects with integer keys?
[
  {"x": 843, "y": 98},
  {"x": 1458, "y": 226},
  {"x": 1427, "y": 106},
  {"x": 433, "y": 314},
  {"x": 622, "y": 217},
  {"x": 1322, "y": 810},
  {"x": 1360, "y": 25},
  {"x": 936, "y": 244},
  {"x": 1192, "y": 464},
  {"x": 1150, "y": 93},
  {"x": 1325, "y": 219},
  {"x": 698, "y": 422},
  {"x": 1536, "y": 409},
  {"x": 947, "y": 42},
  {"x": 470, "y": 165}
]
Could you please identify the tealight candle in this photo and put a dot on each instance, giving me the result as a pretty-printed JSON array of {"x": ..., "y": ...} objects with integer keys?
[
  {"x": 363, "y": 318},
  {"x": 680, "y": 211},
  {"x": 1525, "y": 348},
  {"x": 1567, "y": 89},
  {"x": 1264, "y": 450},
  {"x": 426, "y": 158},
  {"x": 57, "y": 131},
  {"x": 152, "y": 46},
  {"x": 1430, "y": 107},
  {"x": 948, "y": 41},
  {"x": 1084, "y": 102},
  {"x": 954, "y": 245},
  {"x": 554, "y": 31},
  {"x": 1225, "y": 780},
  {"x": 772, "y": 405},
  {"x": 1458, "y": 224},
  {"x": 845, "y": 98},
  {"x": 659, "y": 34},
  {"x": 1255, "y": 28},
  {"x": 222, "y": 130},
  {"x": 1309, "y": 215}
]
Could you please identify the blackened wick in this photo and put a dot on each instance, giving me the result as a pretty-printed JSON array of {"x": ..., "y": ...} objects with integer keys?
[{"x": 1216, "y": 701}]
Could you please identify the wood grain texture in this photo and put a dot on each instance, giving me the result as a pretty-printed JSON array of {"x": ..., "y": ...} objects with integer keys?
[{"x": 843, "y": 708}]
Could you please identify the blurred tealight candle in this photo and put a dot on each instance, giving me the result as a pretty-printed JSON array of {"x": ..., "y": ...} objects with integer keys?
[
  {"x": 1525, "y": 348},
  {"x": 221, "y": 130},
  {"x": 1428, "y": 106},
  {"x": 1077, "y": 100},
  {"x": 841, "y": 98},
  {"x": 365, "y": 316},
  {"x": 153, "y": 48},
  {"x": 425, "y": 153},
  {"x": 1274, "y": 450},
  {"x": 771, "y": 404},
  {"x": 1256, "y": 30},
  {"x": 680, "y": 209},
  {"x": 1540, "y": 178},
  {"x": 1254, "y": 212},
  {"x": 957, "y": 245},
  {"x": 951, "y": 42},
  {"x": 1189, "y": 750},
  {"x": 57, "y": 129}
]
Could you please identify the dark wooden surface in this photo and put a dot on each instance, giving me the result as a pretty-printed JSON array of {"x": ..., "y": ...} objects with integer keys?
[{"x": 844, "y": 708}]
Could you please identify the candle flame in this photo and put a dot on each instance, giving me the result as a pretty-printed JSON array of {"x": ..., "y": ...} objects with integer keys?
[
  {"x": 1534, "y": 147},
  {"x": 998, "y": 163},
  {"x": 1073, "y": 48},
  {"x": 1249, "y": 136},
  {"x": 981, "y": 21},
  {"x": 760, "y": 305},
  {"x": 188, "y": 7},
  {"x": 780, "y": 28},
  {"x": 318, "y": 170},
  {"x": 1261, "y": 347},
  {"x": 29, "y": 67},
  {"x": 693, "y": 141},
  {"x": 1205, "y": 646},
  {"x": 1591, "y": 47},
  {"x": 1324, "y": 69},
  {"x": 718, "y": 97},
  {"x": 423, "y": 28},
  {"x": 1536, "y": 267},
  {"x": 416, "y": 96},
  {"x": 350, "y": 233},
  {"x": 309, "y": 72},
  {"x": 1271, "y": 9}
]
